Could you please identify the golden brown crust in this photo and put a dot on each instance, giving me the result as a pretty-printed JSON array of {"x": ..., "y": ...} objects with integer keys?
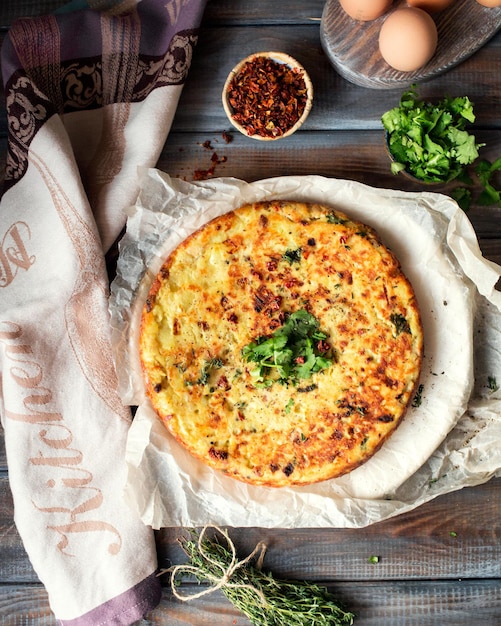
[{"x": 237, "y": 279}]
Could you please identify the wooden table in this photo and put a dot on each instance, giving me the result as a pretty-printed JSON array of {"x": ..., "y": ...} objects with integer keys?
[{"x": 438, "y": 564}]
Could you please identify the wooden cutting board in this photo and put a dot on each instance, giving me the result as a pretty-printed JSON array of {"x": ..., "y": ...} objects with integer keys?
[{"x": 352, "y": 46}]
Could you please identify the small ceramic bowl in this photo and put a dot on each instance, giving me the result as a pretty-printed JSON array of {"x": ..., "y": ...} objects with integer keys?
[
  {"x": 406, "y": 173},
  {"x": 254, "y": 104}
]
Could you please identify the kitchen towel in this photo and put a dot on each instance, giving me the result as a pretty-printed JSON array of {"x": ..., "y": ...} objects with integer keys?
[{"x": 90, "y": 95}]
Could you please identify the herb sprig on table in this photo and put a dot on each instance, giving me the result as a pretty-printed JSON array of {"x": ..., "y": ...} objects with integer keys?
[
  {"x": 264, "y": 599},
  {"x": 430, "y": 140},
  {"x": 291, "y": 353}
]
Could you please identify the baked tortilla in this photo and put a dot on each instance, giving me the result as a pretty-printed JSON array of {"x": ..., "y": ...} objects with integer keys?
[{"x": 236, "y": 282}]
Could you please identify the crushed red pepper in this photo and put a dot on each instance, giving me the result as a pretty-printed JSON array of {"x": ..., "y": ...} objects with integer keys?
[
  {"x": 267, "y": 97},
  {"x": 204, "y": 174}
]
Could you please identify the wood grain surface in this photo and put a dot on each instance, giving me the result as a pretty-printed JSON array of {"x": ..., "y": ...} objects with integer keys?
[
  {"x": 439, "y": 564},
  {"x": 353, "y": 46}
]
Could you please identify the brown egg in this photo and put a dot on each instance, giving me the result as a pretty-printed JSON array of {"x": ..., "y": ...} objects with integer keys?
[
  {"x": 490, "y": 3},
  {"x": 365, "y": 10},
  {"x": 408, "y": 39},
  {"x": 430, "y": 6}
]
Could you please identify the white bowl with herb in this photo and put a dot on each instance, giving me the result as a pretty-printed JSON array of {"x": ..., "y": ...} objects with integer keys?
[{"x": 430, "y": 141}]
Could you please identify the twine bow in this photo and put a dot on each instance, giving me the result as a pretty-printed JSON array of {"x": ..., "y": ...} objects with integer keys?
[{"x": 227, "y": 571}]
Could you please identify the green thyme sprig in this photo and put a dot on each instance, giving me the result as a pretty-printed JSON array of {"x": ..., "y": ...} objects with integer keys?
[{"x": 264, "y": 599}]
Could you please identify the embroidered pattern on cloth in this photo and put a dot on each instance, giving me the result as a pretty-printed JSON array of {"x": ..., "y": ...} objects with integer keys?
[{"x": 81, "y": 85}]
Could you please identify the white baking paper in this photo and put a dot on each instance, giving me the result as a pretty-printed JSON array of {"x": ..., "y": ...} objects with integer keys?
[{"x": 450, "y": 440}]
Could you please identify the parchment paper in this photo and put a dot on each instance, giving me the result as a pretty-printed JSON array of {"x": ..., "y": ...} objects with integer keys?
[{"x": 449, "y": 440}]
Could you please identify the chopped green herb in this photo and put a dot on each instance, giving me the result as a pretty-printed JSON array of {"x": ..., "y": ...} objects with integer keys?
[
  {"x": 291, "y": 353},
  {"x": 493, "y": 385},
  {"x": 400, "y": 323},
  {"x": 430, "y": 141},
  {"x": 293, "y": 256},
  {"x": 289, "y": 405},
  {"x": 418, "y": 398},
  {"x": 453, "y": 533},
  {"x": 206, "y": 370},
  {"x": 374, "y": 559},
  {"x": 333, "y": 218}
]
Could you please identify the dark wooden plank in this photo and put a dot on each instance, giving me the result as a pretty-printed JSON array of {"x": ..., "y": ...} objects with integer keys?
[
  {"x": 389, "y": 603},
  {"x": 415, "y": 545},
  {"x": 15, "y": 565},
  {"x": 228, "y": 12},
  {"x": 354, "y": 49},
  {"x": 27, "y": 605},
  {"x": 350, "y": 155},
  {"x": 231, "y": 12},
  {"x": 491, "y": 249},
  {"x": 338, "y": 104},
  {"x": 3, "y": 457},
  {"x": 374, "y": 604},
  {"x": 359, "y": 156}
]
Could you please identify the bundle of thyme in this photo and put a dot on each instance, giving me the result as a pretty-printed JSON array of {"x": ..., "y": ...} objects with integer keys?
[{"x": 265, "y": 600}]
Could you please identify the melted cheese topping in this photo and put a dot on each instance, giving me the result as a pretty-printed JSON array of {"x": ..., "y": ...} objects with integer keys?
[{"x": 233, "y": 281}]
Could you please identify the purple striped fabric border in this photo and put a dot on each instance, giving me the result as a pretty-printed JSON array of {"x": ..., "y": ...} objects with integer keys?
[{"x": 128, "y": 607}]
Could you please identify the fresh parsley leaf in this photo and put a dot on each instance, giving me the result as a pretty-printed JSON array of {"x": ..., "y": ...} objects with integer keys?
[
  {"x": 293, "y": 256},
  {"x": 293, "y": 352},
  {"x": 430, "y": 141},
  {"x": 418, "y": 398},
  {"x": 400, "y": 323},
  {"x": 493, "y": 385}
]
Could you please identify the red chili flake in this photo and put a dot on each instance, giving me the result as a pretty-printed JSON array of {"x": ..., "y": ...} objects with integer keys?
[
  {"x": 228, "y": 138},
  {"x": 323, "y": 346},
  {"x": 201, "y": 174},
  {"x": 267, "y": 97},
  {"x": 223, "y": 383},
  {"x": 220, "y": 455},
  {"x": 266, "y": 301},
  {"x": 204, "y": 174}
]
